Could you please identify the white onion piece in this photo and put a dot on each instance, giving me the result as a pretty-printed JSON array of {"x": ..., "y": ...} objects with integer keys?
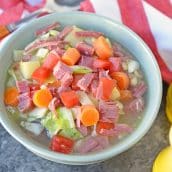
[
  {"x": 34, "y": 128},
  {"x": 133, "y": 81},
  {"x": 132, "y": 66}
]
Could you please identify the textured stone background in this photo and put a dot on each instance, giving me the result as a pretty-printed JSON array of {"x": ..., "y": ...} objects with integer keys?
[{"x": 15, "y": 158}]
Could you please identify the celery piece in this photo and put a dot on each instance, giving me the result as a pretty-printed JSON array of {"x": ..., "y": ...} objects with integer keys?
[
  {"x": 72, "y": 133},
  {"x": 81, "y": 69}
]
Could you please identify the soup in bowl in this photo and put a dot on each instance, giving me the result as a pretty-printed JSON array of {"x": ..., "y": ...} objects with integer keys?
[{"x": 79, "y": 91}]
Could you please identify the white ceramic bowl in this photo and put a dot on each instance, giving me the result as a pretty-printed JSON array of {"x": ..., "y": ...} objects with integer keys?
[{"x": 115, "y": 31}]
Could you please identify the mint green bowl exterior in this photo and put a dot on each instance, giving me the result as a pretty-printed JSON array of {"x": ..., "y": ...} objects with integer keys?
[{"x": 115, "y": 31}]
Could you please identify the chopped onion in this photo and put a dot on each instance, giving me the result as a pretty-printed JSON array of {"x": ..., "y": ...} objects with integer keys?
[
  {"x": 133, "y": 81},
  {"x": 35, "y": 128},
  {"x": 132, "y": 66}
]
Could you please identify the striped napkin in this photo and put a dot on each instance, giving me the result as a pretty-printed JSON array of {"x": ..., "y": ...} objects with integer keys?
[
  {"x": 150, "y": 19},
  {"x": 13, "y": 10}
]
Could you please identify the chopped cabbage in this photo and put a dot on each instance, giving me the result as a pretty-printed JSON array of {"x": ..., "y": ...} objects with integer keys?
[
  {"x": 37, "y": 113},
  {"x": 52, "y": 123},
  {"x": 84, "y": 98},
  {"x": 66, "y": 114}
]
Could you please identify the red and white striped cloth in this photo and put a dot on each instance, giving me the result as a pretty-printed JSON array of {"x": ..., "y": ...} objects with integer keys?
[
  {"x": 150, "y": 19},
  {"x": 13, "y": 10}
]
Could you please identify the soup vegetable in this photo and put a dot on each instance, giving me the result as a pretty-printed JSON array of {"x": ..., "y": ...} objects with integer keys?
[{"x": 76, "y": 87}]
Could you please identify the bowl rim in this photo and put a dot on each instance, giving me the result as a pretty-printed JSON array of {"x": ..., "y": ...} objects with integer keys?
[{"x": 107, "y": 153}]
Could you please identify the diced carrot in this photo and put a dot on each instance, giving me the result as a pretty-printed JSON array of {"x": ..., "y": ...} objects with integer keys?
[
  {"x": 125, "y": 95},
  {"x": 42, "y": 98},
  {"x": 102, "y": 48},
  {"x": 101, "y": 64},
  {"x": 122, "y": 80},
  {"x": 71, "y": 56},
  {"x": 10, "y": 96},
  {"x": 69, "y": 98},
  {"x": 41, "y": 74},
  {"x": 104, "y": 125},
  {"x": 107, "y": 87},
  {"x": 89, "y": 115}
]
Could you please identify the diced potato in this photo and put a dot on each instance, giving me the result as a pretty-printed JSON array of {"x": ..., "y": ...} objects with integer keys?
[
  {"x": 42, "y": 53},
  {"x": 72, "y": 38},
  {"x": 27, "y": 68}
]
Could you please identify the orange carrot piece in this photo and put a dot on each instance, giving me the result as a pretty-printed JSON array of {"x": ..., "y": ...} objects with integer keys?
[
  {"x": 42, "y": 98},
  {"x": 71, "y": 56},
  {"x": 69, "y": 98},
  {"x": 125, "y": 95},
  {"x": 102, "y": 48},
  {"x": 89, "y": 115},
  {"x": 122, "y": 80},
  {"x": 10, "y": 96}
]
